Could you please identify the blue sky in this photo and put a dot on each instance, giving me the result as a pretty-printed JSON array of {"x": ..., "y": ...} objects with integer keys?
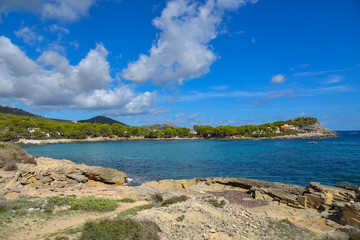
[{"x": 208, "y": 62}]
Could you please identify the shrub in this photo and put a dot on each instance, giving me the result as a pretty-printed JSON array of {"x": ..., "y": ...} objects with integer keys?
[
  {"x": 135, "y": 210},
  {"x": 10, "y": 154},
  {"x": 127, "y": 200},
  {"x": 174, "y": 200},
  {"x": 120, "y": 229},
  {"x": 10, "y": 166},
  {"x": 157, "y": 198},
  {"x": 86, "y": 203},
  {"x": 94, "y": 204},
  {"x": 215, "y": 203}
]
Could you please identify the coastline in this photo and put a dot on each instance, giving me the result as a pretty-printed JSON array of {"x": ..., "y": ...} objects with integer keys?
[
  {"x": 248, "y": 206},
  {"x": 102, "y": 139}
]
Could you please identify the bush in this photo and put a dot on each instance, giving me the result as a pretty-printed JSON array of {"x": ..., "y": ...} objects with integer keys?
[
  {"x": 215, "y": 203},
  {"x": 120, "y": 229},
  {"x": 94, "y": 204},
  {"x": 157, "y": 198},
  {"x": 135, "y": 210},
  {"x": 12, "y": 154},
  {"x": 174, "y": 200},
  {"x": 127, "y": 200},
  {"x": 86, "y": 203},
  {"x": 10, "y": 166}
]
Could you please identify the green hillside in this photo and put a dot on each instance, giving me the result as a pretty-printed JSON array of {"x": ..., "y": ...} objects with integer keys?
[{"x": 102, "y": 120}]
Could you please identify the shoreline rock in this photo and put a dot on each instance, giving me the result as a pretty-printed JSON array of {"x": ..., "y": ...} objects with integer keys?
[{"x": 315, "y": 206}]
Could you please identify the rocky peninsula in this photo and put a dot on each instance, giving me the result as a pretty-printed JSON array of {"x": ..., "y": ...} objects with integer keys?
[{"x": 200, "y": 208}]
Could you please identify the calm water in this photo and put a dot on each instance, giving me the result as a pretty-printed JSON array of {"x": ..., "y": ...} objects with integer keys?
[{"x": 330, "y": 161}]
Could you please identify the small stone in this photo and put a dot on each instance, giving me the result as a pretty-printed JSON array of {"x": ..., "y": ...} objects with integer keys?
[
  {"x": 14, "y": 189},
  {"x": 212, "y": 230}
]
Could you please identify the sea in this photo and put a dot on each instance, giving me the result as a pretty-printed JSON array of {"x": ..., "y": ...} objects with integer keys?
[{"x": 291, "y": 161}]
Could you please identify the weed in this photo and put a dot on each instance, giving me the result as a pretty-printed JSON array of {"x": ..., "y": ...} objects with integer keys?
[
  {"x": 120, "y": 229},
  {"x": 157, "y": 198},
  {"x": 86, "y": 203},
  {"x": 181, "y": 218},
  {"x": 135, "y": 210},
  {"x": 62, "y": 238},
  {"x": 215, "y": 202},
  {"x": 174, "y": 200},
  {"x": 94, "y": 204},
  {"x": 126, "y": 200}
]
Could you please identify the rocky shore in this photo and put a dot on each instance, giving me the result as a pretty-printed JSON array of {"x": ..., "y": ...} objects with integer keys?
[{"x": 214, "y": 208}]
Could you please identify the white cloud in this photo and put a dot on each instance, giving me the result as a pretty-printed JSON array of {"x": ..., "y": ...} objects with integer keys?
[
  {"x": 63, "y": 10},
  {"x": 272, "y": 95},
  {"x": 29, "y": 36},
  {"x": 334, "y": 79},
  {"x": 51, "y": 82},
  {"x": 55, "y": 28},
  {"x": 182, "y": 51},
  {"x": 280, "y": 78},
  {"x": 67, "y": 10}
]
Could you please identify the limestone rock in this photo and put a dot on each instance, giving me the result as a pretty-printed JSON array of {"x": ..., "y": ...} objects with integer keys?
[
  {"x": 351, "y": 214},
  {"x": 103, "y": 174}
]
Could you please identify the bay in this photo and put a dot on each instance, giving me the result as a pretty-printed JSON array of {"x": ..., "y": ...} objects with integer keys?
[{"x": 292, "y": 161}]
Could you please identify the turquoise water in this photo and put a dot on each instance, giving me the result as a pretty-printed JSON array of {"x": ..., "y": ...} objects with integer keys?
[{"x": 332, "y": 160}]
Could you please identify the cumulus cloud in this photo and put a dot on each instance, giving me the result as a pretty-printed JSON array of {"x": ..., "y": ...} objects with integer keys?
[
  {"x": 183, "y": 50},
  {"x": 63, "y": 10},
  {"x": 280, "y": 78},
  {"x": 29, "y": 36},
  {"x": 51, "y": 81}
]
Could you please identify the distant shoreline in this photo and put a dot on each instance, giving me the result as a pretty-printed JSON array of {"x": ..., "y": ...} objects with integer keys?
[{"x": 103, "y": 139}]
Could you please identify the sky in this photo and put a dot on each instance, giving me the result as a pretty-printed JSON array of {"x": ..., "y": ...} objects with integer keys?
[{"x": 188, "y": 62}]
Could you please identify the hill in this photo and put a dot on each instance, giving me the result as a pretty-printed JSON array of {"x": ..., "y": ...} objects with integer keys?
[
  {"x": 15, "y": 111},
  {"x": 19, "y": 112},
  {"x": 160, "y": 126},
  {"x": 102, "y": 120}
]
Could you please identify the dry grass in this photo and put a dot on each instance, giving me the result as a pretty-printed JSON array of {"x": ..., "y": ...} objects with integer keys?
[{"x": 11, "y": 154}]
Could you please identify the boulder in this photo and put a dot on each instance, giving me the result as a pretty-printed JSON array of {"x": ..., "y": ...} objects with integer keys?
[
  {"x": 103, "y": 174},
  {"x": 351, "y": 214},
  {"x": 77, "y": 177}
]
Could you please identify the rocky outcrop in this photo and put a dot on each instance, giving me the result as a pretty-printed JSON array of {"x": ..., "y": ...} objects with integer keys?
[
  {"x": 61, "y": 173},
  {"x": 351, "y": 214},
  {"x": 317, "y": 128}
]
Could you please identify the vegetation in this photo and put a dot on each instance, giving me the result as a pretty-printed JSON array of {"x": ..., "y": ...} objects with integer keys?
[
  {"x": 127, "y": 200},
  {"x": 135, "y": 210},
  {"x": 120, "y": 229},
  {"x": 216, "y": 203},
  {"x": 11, "y": 154},
  {"x": 85, "y": 203},
  {"x": 174, "y": 200},
  {"x": 12, "y": 208},
  {"x": 101, "y": 119},
  {"x": 13, "y": 127}
]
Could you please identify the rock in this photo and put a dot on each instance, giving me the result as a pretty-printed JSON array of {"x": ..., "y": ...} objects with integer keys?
[
  {"x": 71, "y": 181},
  {"x": 351, "y": 214},
  {"x": 20, "y": 196},
  {"x": 106, "y": 175},
  {"x": 58, "y": 184},
  {"x": 79, "y": 178},
  {"x": 14, "y": 189},
  {"x": 320, "y": 196},
  {"x": 45, "y": 180}
]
